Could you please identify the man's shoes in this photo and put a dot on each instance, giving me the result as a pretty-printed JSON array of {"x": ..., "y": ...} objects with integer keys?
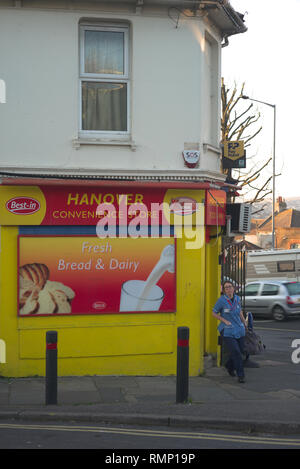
[
  {"x": 241, "y": 379},
  {"x": 230, "y": 372}
]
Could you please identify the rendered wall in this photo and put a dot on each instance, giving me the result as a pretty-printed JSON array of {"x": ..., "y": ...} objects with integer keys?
[{"x": 175, "y": 75}]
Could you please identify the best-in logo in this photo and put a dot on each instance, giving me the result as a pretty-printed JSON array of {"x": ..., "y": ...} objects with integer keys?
[
  {"x": 23, "y": 205},
  {"x": 183, "y": 206},
  {"x": 99, "y": 305}
]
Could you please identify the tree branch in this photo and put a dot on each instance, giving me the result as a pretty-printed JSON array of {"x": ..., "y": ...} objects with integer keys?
[{"x": 238, "y": 123}]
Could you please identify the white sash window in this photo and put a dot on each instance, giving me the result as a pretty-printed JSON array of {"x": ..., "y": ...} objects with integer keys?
[{"x": 104, "y": 81}]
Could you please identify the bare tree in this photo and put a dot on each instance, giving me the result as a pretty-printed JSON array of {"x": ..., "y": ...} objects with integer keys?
[{"x": 240, "y": 122}]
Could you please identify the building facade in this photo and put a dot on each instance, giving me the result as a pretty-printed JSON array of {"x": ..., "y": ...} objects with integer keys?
[
  {"x": 110, "y": 172},
  {"x": 287, "y": 228}
]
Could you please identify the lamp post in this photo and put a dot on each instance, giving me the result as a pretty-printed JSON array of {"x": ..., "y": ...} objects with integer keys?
[{"x": 274, "y": 149}]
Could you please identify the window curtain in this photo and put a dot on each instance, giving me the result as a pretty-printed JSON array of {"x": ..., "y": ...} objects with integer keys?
[
  {"x": 104, "y": 52},
  {"x": 104, "y": 106},
  {"x": 104, "y": 103}
]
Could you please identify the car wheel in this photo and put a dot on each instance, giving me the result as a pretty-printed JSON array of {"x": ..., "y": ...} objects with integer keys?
[{"x": 278, "y": 313}]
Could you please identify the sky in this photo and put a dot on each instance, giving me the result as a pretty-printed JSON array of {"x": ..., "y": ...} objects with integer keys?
[{"x": 266, "y": 58}]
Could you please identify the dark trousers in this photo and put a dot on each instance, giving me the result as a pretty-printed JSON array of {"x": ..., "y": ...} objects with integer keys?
[{"x": 235, "y": 348}]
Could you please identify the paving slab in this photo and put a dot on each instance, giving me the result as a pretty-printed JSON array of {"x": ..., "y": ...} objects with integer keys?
[
  {"x": 115, "y": 381},
  {"x": 209, "y": 393},
  {"x": 78, "y": 397},
  {"x": 111, "y": 394},
  {"x": 73, "y": 383}
]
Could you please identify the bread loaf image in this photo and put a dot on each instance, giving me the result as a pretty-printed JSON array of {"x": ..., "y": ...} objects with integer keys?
[
  {"x": 24, "y": 294},
  {"x": 38, "y": 295},
  {"x": 46, "y": 303},
  {"x": 62, "y": 303},
  {"x": 53, "y": 286},
  {"x": 37, "y": 274},
  {"x": 30, "y": 306}
]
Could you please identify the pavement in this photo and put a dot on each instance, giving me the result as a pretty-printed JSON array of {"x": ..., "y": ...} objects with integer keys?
[{"x": 269, "y": 401}]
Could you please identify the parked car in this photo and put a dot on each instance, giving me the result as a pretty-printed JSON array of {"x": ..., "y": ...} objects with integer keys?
[{"x": 279, "y": 300}]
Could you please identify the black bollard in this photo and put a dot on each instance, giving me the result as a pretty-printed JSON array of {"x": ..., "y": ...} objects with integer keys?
[
  {"x": 182, "y": 381},
  {"x": 51, "y": 367}
]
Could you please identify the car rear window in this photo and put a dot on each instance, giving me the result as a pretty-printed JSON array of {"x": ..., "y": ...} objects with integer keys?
[
  {"x": 293, "y": 288},
  {"x": 270, "y": 290}
]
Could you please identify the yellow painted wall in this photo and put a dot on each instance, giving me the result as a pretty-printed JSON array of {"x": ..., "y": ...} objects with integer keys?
[
  {"x": 8, "y": 300},
  {"x": 212, "y": 290},
  {"x": 133, "y": 344}
]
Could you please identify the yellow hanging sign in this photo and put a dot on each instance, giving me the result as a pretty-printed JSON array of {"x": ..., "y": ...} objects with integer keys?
[{"x": 234, "y": 149}]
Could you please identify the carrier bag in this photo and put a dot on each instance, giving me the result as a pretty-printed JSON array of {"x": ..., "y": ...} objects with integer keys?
[{"x": 253, "y": 344}]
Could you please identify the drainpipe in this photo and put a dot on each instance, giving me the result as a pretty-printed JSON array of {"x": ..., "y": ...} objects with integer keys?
[{"x": 226, "y": 42}]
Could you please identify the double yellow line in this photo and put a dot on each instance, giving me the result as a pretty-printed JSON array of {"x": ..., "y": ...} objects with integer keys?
[{"x": 247, "y": 439}]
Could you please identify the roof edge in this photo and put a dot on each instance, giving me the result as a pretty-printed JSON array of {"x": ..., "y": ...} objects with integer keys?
[{"x": 54, "y": 180}]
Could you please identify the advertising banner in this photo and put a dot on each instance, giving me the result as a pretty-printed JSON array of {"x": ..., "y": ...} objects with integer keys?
[
  {"x": 215, "y": 208},
  {"x": 86, "y": 275},
  {"x": 107, "y": 206}
]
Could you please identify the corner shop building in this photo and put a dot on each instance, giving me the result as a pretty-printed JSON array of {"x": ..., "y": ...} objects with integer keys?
[{"x": 55, "y": 223}]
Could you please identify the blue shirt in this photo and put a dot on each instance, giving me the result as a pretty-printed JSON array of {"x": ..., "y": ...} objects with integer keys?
[{"x": 230, "y": 309}]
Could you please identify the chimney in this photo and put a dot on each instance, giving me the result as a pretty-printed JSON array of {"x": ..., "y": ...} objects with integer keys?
[{"x": 280, "y": 204}]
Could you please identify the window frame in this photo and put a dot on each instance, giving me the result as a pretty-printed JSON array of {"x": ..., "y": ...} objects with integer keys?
[
  {"x": 105, "y": 78},
  {"x": 284, "y": 266},
  {"x": 250, "y": 285},
  {"x": 277, "y": 287}
]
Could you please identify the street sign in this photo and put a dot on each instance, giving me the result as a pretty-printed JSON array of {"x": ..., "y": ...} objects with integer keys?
[
  {"x": 234, "y": 150},
  {"x": 234, "y": 155}
]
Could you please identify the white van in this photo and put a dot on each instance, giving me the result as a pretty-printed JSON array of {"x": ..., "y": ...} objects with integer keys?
[{"x": 280, "y": 265}]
